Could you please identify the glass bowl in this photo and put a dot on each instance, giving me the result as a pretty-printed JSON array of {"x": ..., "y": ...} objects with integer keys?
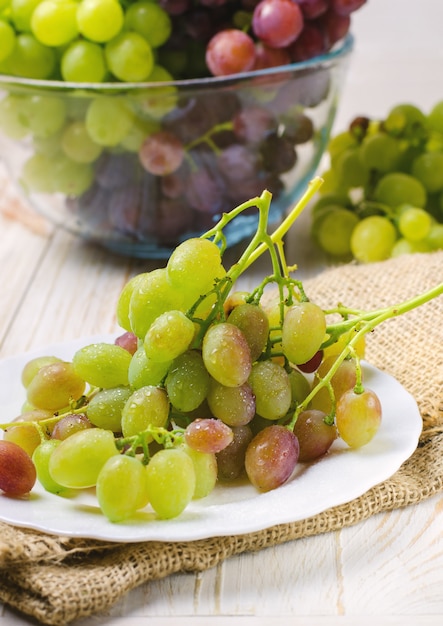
[{"x": 137, "y": 168}]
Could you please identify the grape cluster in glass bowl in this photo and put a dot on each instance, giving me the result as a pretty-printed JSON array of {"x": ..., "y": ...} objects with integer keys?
[{"x": 138, "y": 124}]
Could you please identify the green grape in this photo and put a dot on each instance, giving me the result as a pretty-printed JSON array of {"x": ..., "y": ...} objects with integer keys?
[
  {"x": 171, "y": 482},
  {"x": 144, "y": 371},
  {"x": 48, "y": 146},
  {"x": 406, "y": 246},
  {"x": 187, "y": 382},
  {"x": 105, "y": 408},
  {"x": 414, "y": 224},
  {"x": 358, "y": 417},
  {"x": 272, "y": 389},
  {"x": 435, "y": 117},
  {"x": 129, "y": 57},
  {"x": 403, "y": 118},
  {"x": 205, "y": 467},
  {"x": 122, "y": 487},
  {"x": 43, "y": 115},
  {"x": 83, "y": 62},
  {"x": 350, "y": 169},
  {"x": 100, "y": 20},
  {"x": 108, "y": 120},
  {"x": 21, "y": 14},
  {"x": 226, "y": 354},
  {"x": 145, "y": 407},
  {"x": 435, "y": 237},
  {"x": 235, "y": 406},
  {"x": 254, "y": 324},
  {"x": 149, "y": 20},
  {"x": 397, "y": 188},
  {"x": 31, "y": 59},
  {"x": 54, "y": 386},
  {"x": 54, "y": 22},
  {"x": 340, "y": 143},
  {"x": 70, "y": 177},
  {"x": 40, "y": 458},
  {"x": 123, "y": 302},
  {"x": 303, "y": 331},
  {"x": 24, "y": 435},
  {"x": 76, "y": 462},
  {"x": 330, "y": 199},
  {"x": 333, "y": 228},
  {"x": 77, "y": 144},
  {"x": 7, "y": 40},
  {"x": 156, "y": 101},
  {"x": 380, "y": 152},
  {"x": 11, "y": 121},
  {"x": 140, "y": 129},
  {"x": 428, "y": 169},
  {"x": 151, "y": 296},
  {"x": 169, "y": 335},
  {"x": 193, "y": 267},
  {"x": 373, "y": 239},
  {"x": 102, "y": 365},
  {"x": 34, "y": 365}
]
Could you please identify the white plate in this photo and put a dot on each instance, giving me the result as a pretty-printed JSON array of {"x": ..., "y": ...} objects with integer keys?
[{"x": 339, "y": 477}]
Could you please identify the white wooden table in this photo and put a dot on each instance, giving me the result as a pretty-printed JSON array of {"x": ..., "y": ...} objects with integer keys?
[{"x": 386, "y": 570}]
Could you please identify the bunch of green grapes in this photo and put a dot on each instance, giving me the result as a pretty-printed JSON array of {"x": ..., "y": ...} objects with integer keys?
[
  {"x": 383, "y": 193},
  {"x": 204, "y": 384}
]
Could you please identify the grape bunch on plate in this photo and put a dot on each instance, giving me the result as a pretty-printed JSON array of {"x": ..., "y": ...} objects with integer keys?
[
  {"x": 383, "y": 193},
  {"x": 207, "y": 384}
]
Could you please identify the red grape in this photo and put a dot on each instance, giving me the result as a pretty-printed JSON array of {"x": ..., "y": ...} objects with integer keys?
[{"x": 277, "y": 22}]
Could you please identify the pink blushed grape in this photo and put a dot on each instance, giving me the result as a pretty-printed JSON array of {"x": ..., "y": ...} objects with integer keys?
[{"x": 271, "y": 457}]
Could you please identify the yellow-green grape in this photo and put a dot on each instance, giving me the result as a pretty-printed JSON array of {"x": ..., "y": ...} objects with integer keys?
[
  {"x": 76, "y": 462},
  {"x": 11, "y": 121},
  {"x": 350, "y": 170},
  {"x": 54, "y": 386},
  {"x": 129, "y": 57},
  {"x": 103, "y": 364},
  {"x": 300, "y": 387},
  {"x": 406, "y": 246},
  {"x": 151, "y": 296},
  {"x": 70, "y": 177},
  {"x": 403, "y": 118},
  {"x": 254, "y": 324},
  {"x": 7, "y": 40},
  {"x": 105, "y": 408},
  {"x": 144, "y": 371},
  {"x": 343, "y": 379},
  {"x": 303, "y": 332},
  {"x": 397, "y": 188},
  {"x": 414, "y": 223},
  {"x": 435, "y": 237},
  {"x": 155, "y": 102},
  {"x": 428, "y": 169},
  {"x": 187, "y": 382},
  {"x": 55, "y": 23},
  {"x": 373, "y": 239},
  {"x": 380, "y": 152},
  {"x": 38, "y": 173},
  {"x": 149, "y": 20},
  {"x": 125, "y": 298},
  {"x": 171, "y": 482},
  {"x": 235, "y": 406},
  {"x": 272, "y": 389},
  {"x": 358, "y": 417},
  {"x": 145, "y": 407},
  {"x": 193, "y": 267},
  {"x": 169, "y": 335},
  {"x": 338, "y": 346},
  {"x": 100, "y": 20},
  {"x": 332, "y": 229},
  {"x": 77, "y": 144},
  {"x": 30, "y": 58},
  {"x": 34, "y": 365},
  {"x": 25, "y": 435},
  {"x": 122, "y": 487},
  {"x": 40, "y": 457},
  {"x": 108, "y": 120},
  {"x": 205, "y": 467},
  {"x": 43, "y": 115}
]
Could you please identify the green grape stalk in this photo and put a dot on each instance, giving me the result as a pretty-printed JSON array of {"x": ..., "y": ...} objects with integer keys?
[
  {"x": 205, "y": 385},
  {"x": 383, "y": 191}
]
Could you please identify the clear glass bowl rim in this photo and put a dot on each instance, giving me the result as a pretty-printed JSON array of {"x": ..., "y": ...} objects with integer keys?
[{"x": 341, "y": 50}]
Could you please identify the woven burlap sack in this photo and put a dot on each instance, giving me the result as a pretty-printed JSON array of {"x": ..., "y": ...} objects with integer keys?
[{"x": 58, "y": 580}]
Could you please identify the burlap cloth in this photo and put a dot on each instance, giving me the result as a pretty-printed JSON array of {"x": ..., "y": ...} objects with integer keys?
[{"x": 58, "y": 580}]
